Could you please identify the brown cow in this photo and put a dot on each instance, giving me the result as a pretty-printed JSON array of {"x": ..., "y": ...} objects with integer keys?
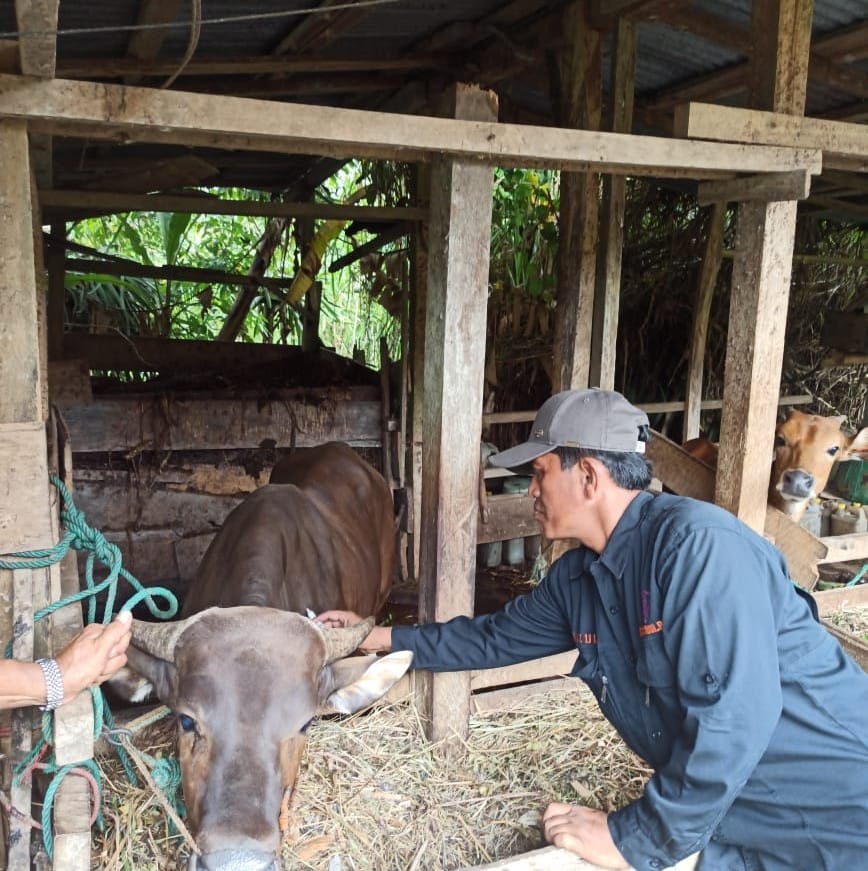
[
  {"x": 807, "y": 446},
  {"x": 244, "y": 673}
]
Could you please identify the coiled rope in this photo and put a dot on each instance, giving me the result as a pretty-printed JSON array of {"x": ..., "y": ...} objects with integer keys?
[{"x": 80, "y": 536}]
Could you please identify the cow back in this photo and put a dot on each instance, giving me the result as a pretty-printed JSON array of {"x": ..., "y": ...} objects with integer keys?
[{"x": 320, "y": 535}]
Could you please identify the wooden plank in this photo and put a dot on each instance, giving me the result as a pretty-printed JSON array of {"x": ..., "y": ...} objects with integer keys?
[
  {"x": 145, "y": 44},
  {"x": 855, "y": 647},
  {"x": 729, "y": 124},
  {"x": 142, "y": 423},
  {"x": 679, "y": 471},
  {"x": 168, "y": 273},
  {"x": 23, "y": 473},
  {"x": 104, "y": 111},
  {"x": 559, "y": 665},
  {"x": 754, "y": 356},
  {"x": 607, "y": 297},
  {"x": 844, "y": 548},
  {"x": 54, "y": 201},
  {"x": 459, "y": 245},
  {"x": 20, "y": 375},
  {"x": 155, "y": 354},
  {"x": 509, "y": 516},
  {"x": 771, "y": 187},
  {"x": 802, "y": 550},
  {"x": 557, "y": 859},
  {"x": 845, "y": 597},
  {"x": 499, "y": 699},
  {"x": 580, "y": 106},
  {"x": 69, "y": 383},
  {"x": 711, "y": 260}
]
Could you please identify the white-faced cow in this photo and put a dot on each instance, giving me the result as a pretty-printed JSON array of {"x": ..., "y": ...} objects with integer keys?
[
  {"x": 807, "y": 446},
  {"x": 244, "y": 672}
]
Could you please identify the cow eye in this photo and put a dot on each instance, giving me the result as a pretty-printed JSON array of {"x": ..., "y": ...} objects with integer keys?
[
  {"x": 833, "y": 450},
  {"x": 780, "y": 441},
  {"x": 187, "y": 724}
]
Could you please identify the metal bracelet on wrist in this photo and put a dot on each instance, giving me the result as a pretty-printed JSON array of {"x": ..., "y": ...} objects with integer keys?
[{"x": 53, "y": 684}]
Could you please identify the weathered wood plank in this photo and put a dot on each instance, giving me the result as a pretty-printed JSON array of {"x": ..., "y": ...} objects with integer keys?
[
  {"x": 510, "y": 516},
  {"x": 459, "y": 245},
  {"x": 23, "y": 487},
  {"x": 54, "y": 201},
  {"x": 20, "y": 376},
  {"x": 845, "y": 597},
  {"x": 843, "y": 548},
  {"x": 707, "y": 121},
  {"x": 556, "y": 859},
  {"x": 711, "y": 259},
  {"x": 104, "y": 111},
  {"x": 771, "y": 187},
  {"x": 560, "y": 664},
  {"x": 187, "y": 423}
]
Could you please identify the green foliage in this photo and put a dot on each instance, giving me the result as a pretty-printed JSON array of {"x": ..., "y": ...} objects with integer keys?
[{"x": 524, "y": 233}]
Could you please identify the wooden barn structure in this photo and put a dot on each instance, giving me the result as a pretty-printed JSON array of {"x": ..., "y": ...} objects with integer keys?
[{"x": 117, "y": 107}]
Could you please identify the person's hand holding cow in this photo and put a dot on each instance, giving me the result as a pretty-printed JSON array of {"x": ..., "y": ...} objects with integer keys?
[{"x": 378, "y": 640}]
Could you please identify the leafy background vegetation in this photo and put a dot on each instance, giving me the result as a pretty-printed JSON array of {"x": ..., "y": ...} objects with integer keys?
[{"x": 361, "y": 304}]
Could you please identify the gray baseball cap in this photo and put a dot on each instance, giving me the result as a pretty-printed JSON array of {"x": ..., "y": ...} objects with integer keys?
[{"x": 599, "y": 420}]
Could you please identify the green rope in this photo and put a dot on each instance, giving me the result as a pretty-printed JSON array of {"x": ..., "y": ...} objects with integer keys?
[
  {"x": 48, "y": 803},
  {"x": 857, "y": 577},
  {"x": 82, "y": 537}
]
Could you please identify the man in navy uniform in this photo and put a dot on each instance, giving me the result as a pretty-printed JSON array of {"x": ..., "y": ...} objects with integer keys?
[{"x": 701, "y": 652}]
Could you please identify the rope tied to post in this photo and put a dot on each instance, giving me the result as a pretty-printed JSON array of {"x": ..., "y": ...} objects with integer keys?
[{"x": 80, "y": 536}]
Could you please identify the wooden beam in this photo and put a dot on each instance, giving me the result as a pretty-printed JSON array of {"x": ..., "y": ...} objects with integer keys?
[
  {"x": 136, "y": 423},
  {"x": 145, "y": 44},
  {"x": 100, "y": 68},
  {"x": 607, "y": 297},
  {"x": 167, "y": 273},
  {"x": 845, "y": 548},
  {"x": 459, "y": 245},
  {"x": 558, "y": 859},
  {"x": 116, "y": 111},
  {"x": 768, "y": 188},
  {"x": 69, "y": 202},
  {"x": 580, "y": 106},
  {"x": 711, "y": 260},
  {"x": 707, "y": 121}
]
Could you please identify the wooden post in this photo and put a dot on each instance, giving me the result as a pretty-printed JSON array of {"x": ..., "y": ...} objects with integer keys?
[
  {"x": 418, "y": 302},
  {"x": 455, "y": 320},
  {"x": 24, "y": 515},
  {"x": 608, "y": 283},
  {"x": 56, "y": 290},
  {"x": 761, "y": 276},
  {"x": 580, "y": 106},
  {"x": 701, "y": 313}
]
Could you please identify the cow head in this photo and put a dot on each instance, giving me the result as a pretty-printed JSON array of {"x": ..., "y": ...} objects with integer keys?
[
  {"x": 245, "y": 684},
  {"x": 806, "y": 448}
]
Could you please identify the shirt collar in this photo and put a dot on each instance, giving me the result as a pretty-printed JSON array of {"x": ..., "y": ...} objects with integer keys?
[{"x": 621, "y": 543}]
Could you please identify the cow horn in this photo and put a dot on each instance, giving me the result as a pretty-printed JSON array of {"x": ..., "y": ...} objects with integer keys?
[
  {"x": 343, "y": 642},
  {"x": 159, "y": 639}
]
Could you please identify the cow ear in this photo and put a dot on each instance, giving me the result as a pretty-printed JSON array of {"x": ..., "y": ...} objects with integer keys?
[
  {"x": 162, "y": 675},
  {"x": 859, "y": 446},
  {"x": 358, "y": 681}
]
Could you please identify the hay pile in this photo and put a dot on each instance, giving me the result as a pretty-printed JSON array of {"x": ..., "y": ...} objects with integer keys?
[
  {"x": 373, "y": 794},
  {"x": 853, "y": 619}
]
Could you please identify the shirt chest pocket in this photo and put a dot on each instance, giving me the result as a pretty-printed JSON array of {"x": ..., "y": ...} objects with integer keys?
[{"x": 653, "y": 666}]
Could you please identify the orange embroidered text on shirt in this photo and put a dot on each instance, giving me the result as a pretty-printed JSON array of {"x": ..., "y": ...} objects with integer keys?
[{"x": 651, "y": 628}]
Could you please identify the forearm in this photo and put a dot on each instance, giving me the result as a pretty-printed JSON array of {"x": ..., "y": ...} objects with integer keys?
[{"x": 21, "y": 684}]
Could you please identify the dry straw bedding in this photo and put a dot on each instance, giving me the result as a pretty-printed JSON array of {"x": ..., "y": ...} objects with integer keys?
[{"x": 373, "y": 794}]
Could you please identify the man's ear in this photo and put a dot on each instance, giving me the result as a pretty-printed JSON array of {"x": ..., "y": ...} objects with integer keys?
[{"x": 359, "y": 681}]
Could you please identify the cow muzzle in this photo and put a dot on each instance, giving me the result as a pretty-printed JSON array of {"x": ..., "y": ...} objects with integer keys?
[{"x": 233, "y": 860}]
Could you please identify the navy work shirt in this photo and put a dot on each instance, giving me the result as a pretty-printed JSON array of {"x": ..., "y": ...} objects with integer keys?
[{"x": 712, "y": 667}]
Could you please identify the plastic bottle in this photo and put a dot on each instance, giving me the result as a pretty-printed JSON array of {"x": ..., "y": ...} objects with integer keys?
[
  {"x": 859, "y": 517},
  {"x": 826, "y": 517},
  {"x": 514, "y": 548},
  {"x": 812, "y": 519}
]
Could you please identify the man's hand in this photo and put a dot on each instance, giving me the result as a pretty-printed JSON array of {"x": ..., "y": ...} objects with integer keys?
[
  {"x": 94, "y": 655},
  {"x": 583, "y": 831},
  {"x": 378, "y": 640}
]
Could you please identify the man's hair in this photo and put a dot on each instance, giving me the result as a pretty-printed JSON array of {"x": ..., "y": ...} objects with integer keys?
[{"x": 628, "y": 470}]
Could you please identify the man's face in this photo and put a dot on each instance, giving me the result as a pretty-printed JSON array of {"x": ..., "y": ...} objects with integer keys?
[{"x": 558, "y": 497}]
